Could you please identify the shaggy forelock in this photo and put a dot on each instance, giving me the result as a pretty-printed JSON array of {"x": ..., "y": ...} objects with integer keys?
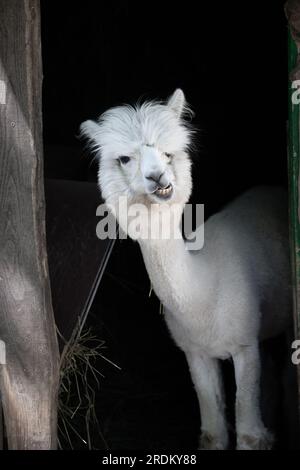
[{"x": 126, "y": 127}]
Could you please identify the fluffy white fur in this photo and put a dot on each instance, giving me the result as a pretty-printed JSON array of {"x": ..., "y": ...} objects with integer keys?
[{"x": 222, "y": 300}]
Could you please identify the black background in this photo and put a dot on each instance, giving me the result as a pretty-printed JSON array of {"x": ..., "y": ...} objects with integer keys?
[{"x": 230, "y": 58}]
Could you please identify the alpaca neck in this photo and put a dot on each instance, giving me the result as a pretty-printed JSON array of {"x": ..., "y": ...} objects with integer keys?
[{"x": 170, "y": 268}]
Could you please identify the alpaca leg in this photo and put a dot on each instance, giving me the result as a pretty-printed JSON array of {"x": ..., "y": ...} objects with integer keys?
[
  {"x": 207, "y": 379},
  {"x": 251, "y": 432}
]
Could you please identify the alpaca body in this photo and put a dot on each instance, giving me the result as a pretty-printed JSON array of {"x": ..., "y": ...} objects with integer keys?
[
  {"x": 236, "y": 288},
  {"x": 221, "y": 300}
]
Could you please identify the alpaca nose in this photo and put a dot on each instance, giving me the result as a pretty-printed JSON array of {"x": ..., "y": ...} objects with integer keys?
[{"x": 155, "y": 177}]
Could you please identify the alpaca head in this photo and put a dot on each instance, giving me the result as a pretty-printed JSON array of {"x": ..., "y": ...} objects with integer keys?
[{"x": 143, "y": 152}]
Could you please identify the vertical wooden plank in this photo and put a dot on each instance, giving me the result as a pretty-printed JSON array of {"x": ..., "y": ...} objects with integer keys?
[
  {"x": 294, "y": 192},
  {"x": 29, "y": 379},
  {"x": 1, "y": 426}
]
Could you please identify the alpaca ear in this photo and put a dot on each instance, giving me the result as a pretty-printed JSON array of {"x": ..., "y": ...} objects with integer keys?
[
  {"x": 90, "y": 130},
  {"x": 177, "y": 102}
]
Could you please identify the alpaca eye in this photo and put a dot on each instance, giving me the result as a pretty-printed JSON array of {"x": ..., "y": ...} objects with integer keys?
[
  {"x": 169, "y": 155},
  {"x": 124, "y": 160}
]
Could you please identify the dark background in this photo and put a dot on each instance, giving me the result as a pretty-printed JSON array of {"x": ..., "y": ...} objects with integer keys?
[{"x": 230, "y": 58}]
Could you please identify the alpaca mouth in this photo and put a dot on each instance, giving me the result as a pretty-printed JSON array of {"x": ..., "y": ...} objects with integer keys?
[{"x": 164, "y": 193}]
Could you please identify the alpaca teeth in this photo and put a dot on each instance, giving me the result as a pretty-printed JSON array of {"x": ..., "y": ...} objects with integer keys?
[{"x": 164, "y": 191}]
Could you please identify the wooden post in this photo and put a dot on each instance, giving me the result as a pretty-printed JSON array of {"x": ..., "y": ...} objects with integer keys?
[
  {"x": 1, "y": 426},
  {"x": 294, "y": 193},
  {"x": 29, "y": 379}
]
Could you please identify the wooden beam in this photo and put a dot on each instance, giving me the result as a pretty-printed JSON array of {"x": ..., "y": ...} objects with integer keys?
[
  {"x": 294, "y": 194},
  {"x": 1, "y": 426},
  {"x": 29, "y": 379}
]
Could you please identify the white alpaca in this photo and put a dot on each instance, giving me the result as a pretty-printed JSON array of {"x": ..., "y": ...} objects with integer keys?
[{"x": 221, "y": 300}]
